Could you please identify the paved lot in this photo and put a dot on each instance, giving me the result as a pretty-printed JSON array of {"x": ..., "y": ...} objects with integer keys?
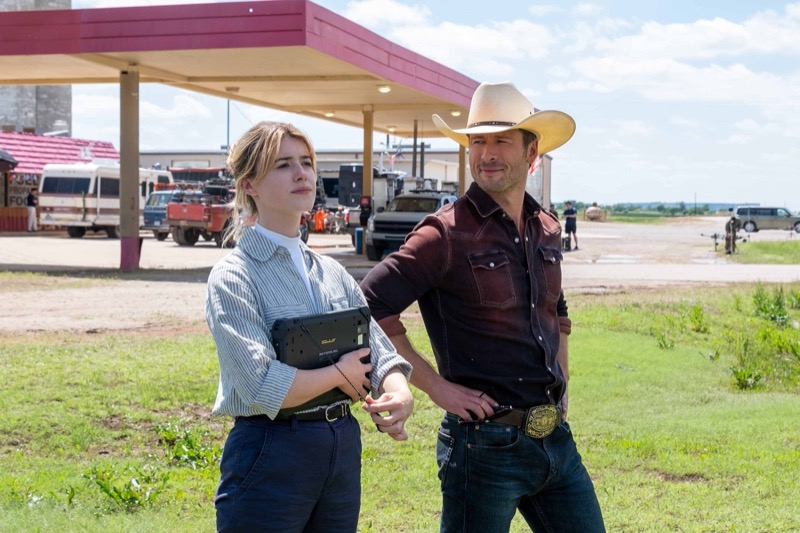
[
  {"x": 615, "y": 254},
  {"x": 170, "y": 287}
]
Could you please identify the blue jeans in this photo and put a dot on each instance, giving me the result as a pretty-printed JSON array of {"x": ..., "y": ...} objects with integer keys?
[
  {"x": 290, "y": 476},
  {"x": 488, "y": 471}
]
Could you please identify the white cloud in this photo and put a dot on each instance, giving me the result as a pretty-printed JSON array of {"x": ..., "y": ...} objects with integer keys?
[
  {"x": 737, "y": 139},
  {"x": 586, "y": 10},
  {"x": 184, "y": 107},
  {"x": 685, "y": 122},
  {"x": 543, "y": 9},
  {"x": 459, "y": 46},
  {"x": 372, "y": 13},
  {"x": 638, "y": 128}
]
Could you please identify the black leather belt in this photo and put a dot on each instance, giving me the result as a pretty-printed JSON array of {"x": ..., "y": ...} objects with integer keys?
[
  {"x": 328, "y": 413},
  {"x": 537, "y": 422}
]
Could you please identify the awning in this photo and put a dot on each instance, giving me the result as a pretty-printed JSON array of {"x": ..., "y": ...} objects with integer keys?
[{"x": 7, "y": 161}]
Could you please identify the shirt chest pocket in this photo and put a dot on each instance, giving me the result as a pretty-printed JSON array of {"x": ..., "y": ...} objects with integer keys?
[
  {"x": 492, "y": 274},
  {"x": 551, "y": 271}
]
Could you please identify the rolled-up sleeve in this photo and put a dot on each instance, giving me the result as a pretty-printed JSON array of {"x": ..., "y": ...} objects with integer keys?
[
  {"x": 252, "y": 381},
  {"x": 383, "y": 355}
]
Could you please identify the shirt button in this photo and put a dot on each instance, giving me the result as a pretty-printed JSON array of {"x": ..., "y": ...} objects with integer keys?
[
  {"x": 540, "y": 337},
  {"x": 526, "y": 239},
  {"x": 516, "y": 239},
  {"x": 533, "y": 305},
  {"x": 549, "y": 369},
  {"x": 548, "y": 393},
  {"x": 491, "y": 265}
]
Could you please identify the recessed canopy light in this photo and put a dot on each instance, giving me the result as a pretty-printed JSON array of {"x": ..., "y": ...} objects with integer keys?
[
  {"x": 329, "y": 114},
  {"x": 384, "y": 89},
  {"x": 456, "y": 112},
  {"x": 391, "y": 129}
]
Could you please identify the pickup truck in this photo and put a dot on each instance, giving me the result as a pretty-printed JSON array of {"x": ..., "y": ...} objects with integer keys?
[
  {"x": 388, "y": 228},
  {"x": 199, "y": 214},
  {"x": 155, "y": 212}
]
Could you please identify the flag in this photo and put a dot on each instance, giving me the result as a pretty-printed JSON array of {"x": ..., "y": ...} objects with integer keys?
[
  {"x": 535, "y": 165},
  {"x": 397, "y": 153}
]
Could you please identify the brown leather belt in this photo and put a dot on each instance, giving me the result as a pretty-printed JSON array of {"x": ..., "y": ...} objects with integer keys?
[{"x": 537, "y": 422}]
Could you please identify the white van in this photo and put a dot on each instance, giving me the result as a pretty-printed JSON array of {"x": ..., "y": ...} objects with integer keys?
[{"x": 85, "y": 196}]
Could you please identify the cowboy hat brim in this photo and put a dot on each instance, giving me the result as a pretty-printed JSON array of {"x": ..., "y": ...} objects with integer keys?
[{"x": 552, "y": 128}]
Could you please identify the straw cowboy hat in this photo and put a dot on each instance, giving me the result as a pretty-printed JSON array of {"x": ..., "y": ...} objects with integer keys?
[{"x": 500, "y": 107}]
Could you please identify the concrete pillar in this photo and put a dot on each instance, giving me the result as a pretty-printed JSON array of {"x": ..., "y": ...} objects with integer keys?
[
  {"x": 129, "y": 169},
  {"x": 367, "y": 168}
]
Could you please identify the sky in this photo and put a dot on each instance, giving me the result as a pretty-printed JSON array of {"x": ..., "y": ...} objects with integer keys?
[{"x": 674, "y": 100}]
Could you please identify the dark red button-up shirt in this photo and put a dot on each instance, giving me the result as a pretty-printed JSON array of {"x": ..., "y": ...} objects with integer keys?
[{"x": 490, "y": 298}]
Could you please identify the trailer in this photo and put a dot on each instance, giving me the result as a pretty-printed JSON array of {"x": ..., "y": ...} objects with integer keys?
[{"x": 85, "y": 196}]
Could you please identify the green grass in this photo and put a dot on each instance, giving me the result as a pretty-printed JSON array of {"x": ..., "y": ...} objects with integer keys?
[
  {"x": 785, "y": 252},
  {"x": 640, "y": 218},
  {"x": 671, "y": 439}
]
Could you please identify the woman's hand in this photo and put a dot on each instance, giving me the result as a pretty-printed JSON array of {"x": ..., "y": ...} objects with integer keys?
[
  {"x": 391, "y": 410},
  {"x": 354, "y": 368}
]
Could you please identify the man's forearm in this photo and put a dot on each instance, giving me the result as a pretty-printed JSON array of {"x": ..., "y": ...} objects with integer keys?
[
  {"x": 424, "y": 376},
  {"x": 563, "y": 355}
]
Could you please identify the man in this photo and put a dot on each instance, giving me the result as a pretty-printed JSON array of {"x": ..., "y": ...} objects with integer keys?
[
  {"x": 570, "y": 228},
  {"x": 732, "y": 226},
  {"x": 31, "y": 202},
  {"x": 487, "y": 275}
]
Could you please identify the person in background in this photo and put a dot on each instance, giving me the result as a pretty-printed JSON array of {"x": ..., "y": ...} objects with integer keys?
[
  {"x": 571, "y": 225},
  {"x": 553, "y": 211},
  {"x": 732, "y": 226},
  {"x": 319, "y": 221},
  {"x": 31, "y": 202},
  {"x": 486, "y": 273},
  {"x": 287, "y": 468}
]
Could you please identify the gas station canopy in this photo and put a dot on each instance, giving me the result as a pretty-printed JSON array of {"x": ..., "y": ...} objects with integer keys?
[{"x": 291, "y": 55}]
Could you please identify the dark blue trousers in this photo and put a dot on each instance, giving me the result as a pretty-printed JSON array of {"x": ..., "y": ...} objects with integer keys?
[{"x": 290, "y": 476}]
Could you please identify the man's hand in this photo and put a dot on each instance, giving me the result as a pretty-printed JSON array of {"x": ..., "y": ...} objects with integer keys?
[{"x": 466, "y": 403}]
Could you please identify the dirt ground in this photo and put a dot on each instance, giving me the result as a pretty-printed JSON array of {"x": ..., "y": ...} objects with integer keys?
[{"x": 83, "y": 292}]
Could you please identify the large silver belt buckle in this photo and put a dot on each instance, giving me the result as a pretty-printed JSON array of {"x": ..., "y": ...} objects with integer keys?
[{"x": 542, "y": 420}]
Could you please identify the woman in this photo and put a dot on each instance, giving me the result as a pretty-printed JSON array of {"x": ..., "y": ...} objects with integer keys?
[{"x": 283, "y": 470}]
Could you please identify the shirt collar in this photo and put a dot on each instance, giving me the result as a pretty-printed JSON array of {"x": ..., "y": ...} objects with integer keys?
[
  {"x": 486, "y": 206},
  {"x": 260, "y": 247}
]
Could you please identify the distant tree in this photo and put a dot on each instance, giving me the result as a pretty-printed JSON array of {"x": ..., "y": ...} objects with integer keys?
[{"x": 682, "y": 207}]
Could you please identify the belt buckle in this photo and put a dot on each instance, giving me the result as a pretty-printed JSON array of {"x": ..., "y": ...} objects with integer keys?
[
  {"x": 541, "y": 421},
  {"x": 336, "y": 416}
]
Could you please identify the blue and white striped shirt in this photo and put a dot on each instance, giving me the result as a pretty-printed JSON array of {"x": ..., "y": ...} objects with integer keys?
[{"x": 248, "y": 290}]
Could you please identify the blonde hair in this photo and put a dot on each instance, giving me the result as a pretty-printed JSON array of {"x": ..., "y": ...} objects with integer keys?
[{"x": 250, "y": 158}]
